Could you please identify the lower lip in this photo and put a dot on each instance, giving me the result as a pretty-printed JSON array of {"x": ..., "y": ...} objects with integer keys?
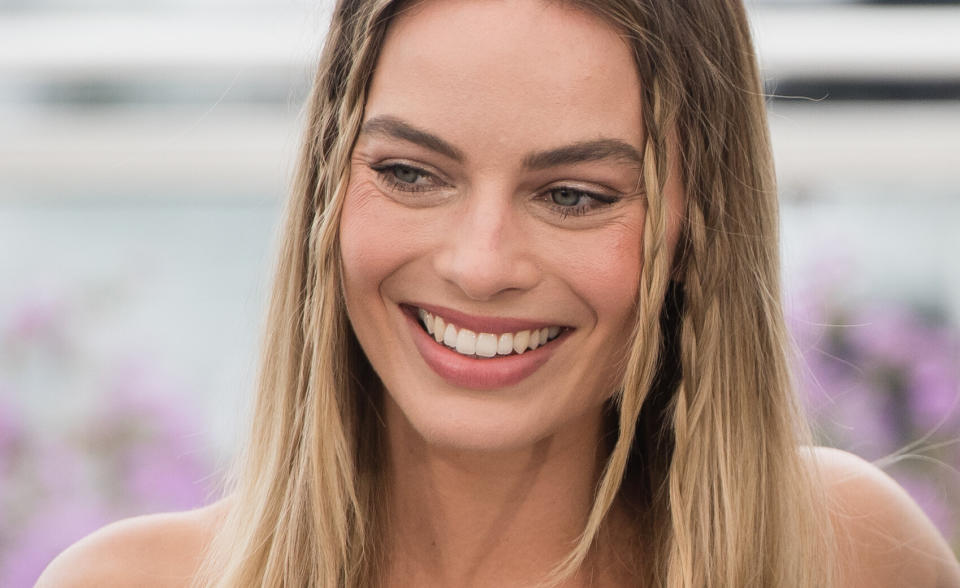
[{"x": 478, "y": 374}]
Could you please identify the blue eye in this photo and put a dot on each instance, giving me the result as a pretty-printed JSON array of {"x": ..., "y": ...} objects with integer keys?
[
  {"x": 566, "y": 201},
  {"x": 406, "y": 178},
  {"x": 566, "y": 196},
  {"x": 407, "y": 175}
]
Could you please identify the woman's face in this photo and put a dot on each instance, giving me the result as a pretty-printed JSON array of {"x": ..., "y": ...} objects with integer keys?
[{"x": 494, "y": 203}]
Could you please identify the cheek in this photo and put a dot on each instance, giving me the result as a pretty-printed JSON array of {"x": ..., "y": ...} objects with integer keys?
[
  {"x": 604, "y": 271},
  {"x": 618, "y": 273},
  {"x": 374, "y": 240}
]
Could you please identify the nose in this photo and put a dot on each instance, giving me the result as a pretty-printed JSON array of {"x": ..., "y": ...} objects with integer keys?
[{"x": 485, "y": 252}]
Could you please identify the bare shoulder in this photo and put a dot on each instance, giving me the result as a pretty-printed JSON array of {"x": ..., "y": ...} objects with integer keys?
[
  {"x": 885, "y": 539},
  {"x": 154, "y": 550}
]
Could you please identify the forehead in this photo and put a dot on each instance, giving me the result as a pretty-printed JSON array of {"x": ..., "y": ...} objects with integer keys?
[{"x": 507, "y": 75}]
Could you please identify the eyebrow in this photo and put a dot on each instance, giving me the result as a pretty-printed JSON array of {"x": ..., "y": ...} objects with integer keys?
[
  {"x": 582, "y": 151},
  {"x": 579, "y": 152},
  {"x": 394, "y": 127}
]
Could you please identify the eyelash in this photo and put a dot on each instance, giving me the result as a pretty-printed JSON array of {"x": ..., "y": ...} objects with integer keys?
[
  {"x": 599, "y": 200},
  {"x": 387, "y": 173}
]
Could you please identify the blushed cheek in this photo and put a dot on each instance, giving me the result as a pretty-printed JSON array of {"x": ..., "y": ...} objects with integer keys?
[
  {"x": 617, "y": 280},
  {"x": 365, "y": 237},
  {"x": 612, "y": 288},
  {"x": 369, "y": 236},
  {"x": 378, "y": 239},
  {"x": 607, "y": 273}
]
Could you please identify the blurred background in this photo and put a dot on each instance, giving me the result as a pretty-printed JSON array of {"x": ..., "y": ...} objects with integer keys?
[{"x": 145, "y": 151}]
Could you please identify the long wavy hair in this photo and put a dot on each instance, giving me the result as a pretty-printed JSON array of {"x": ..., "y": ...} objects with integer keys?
[{"x": 708, "y": 440}]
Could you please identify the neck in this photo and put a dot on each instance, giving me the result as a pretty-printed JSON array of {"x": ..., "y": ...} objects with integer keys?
[{"x": 477, "y": 518}]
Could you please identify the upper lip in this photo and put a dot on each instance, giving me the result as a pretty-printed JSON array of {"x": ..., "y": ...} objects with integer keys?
[{"x": 482, "y": 324}]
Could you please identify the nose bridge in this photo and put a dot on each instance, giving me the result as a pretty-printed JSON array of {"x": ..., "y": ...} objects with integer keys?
[
  {"x": 484, "y": 226},
  {"x": 485, "y": 253}
]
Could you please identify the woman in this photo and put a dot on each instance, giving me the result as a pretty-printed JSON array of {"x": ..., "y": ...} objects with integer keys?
[{"x": 526, "y": 329}]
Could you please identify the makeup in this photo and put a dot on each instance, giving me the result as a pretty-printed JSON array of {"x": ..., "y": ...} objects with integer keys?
[{"x": 481, "y": 373}]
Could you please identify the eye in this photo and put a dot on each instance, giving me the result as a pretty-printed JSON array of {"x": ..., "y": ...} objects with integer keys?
[
  {"x": 406, "y": 174},
  {"x": 407, "y": 178},
  {"x": 566, "y": 196},
  {"x": 566, "y": 200}
]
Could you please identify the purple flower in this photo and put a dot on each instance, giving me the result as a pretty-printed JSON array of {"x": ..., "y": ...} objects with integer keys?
[
  {"x": 51, "y": 530},
  {"x": 139, "y": 394},
  {"x": 11, "y": 428},
  {"x": 61, "y": 471},
  {"x": 158, "y": 457},
  {"x": 161, "y": 478},
  {"x": 886, "y": 333},
  {"x": 865, "y": 422},
  {"x": 934, "y": 388},
  {"x": 826, "y": 378},
  {"x": 37, "y": 317},
  {"x": 11, "y": 432}
]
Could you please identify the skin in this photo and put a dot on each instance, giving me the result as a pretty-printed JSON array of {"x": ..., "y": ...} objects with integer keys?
[
  {"x": 482, "y": 235},
  {"x": 489, "y": 488}
]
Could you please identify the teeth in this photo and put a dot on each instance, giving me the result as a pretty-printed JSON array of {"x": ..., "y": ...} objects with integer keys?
[
  {"x": 534, "y": 339},
  {"x": 423, "y": 320},
  {"x": 505, "y": 344},
  {"x": 486, "y": 345},
  {"x": 467, "y": 342},
  {"x": 520, "y": 341},
  {"x": 450, "y": 336}
]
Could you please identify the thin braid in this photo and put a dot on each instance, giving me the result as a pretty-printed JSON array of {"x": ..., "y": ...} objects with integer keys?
[
  {"x": 643, "y": 359},
  {"x": 698, "y": 510}
]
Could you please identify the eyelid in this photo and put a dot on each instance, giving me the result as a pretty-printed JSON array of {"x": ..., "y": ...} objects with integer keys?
[
  {"x": 422, "y": 168},
  {"x": 385, "y": 172},
  {"x": 595, "y": 194},
  {"x": 604, "y": 195},
  {"x": 599, "y": 202}
]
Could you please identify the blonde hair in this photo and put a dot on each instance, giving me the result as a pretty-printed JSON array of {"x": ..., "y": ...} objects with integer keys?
[{"x": 708, "y": 434}]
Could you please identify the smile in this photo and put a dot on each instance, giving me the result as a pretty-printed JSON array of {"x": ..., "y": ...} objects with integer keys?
[
  {"x": 485, "y": 345},
  {"x": 464, "y": 350}
]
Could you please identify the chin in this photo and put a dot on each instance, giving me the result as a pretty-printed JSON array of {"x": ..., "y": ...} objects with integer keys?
[
  {"x": 473, "y": 436},
  {"x": 484, "y": 423}
]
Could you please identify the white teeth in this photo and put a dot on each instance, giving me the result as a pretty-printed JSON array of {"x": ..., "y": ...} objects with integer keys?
[
  {"x": 486, "y": 345},
  {"x": 534, "y": 339},
  {"x": 427, "y": 320},
  {"x": 520, "y": 341},
  {"x": 450, "y": 336},
  {"x": 505, "y": 344},
  {"x": 467, "y": 342}
]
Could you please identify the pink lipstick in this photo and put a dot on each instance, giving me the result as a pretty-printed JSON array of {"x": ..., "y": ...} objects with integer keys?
[{"x": 473, "y": 372}]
